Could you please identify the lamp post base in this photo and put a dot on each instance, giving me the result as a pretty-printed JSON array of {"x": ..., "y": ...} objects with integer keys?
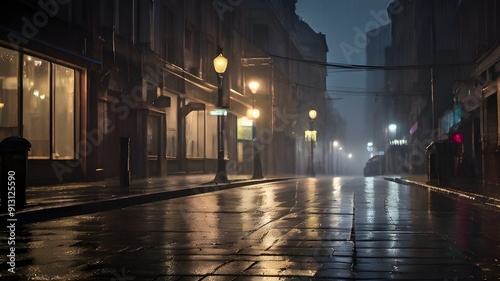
[
  {"x": 220, "y": 178},
  {"x": 221, "y": 174}
]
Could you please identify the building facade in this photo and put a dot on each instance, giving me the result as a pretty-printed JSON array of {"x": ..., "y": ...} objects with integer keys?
[
  {"x": 90, "y": 83},
  {"x": 475, "y": 89},
  {"x": 449, "y": 67}
]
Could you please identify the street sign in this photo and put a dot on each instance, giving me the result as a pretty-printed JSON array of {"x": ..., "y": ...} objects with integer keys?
[
  {"x": 310, "y": 136},
  {"x": 245, "y": 129},
  {"x": 218, "y": 112}
]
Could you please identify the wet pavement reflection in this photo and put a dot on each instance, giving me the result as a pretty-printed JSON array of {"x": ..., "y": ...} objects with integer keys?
[{"x": 303, "y": 229}]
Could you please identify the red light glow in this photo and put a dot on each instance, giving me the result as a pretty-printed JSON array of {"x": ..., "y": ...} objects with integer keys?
[{"x": 457, "y": 137}]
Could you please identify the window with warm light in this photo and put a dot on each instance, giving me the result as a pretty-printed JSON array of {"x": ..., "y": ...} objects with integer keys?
[
  {"x": 64, "y": 112},
  {"x": 195, "y": 135},
  {"x": 9, "y": 98},
  {"x": 171, "y": 113},
  {"x": 49, "y": 104},
  {"x": 36, "y": 106}
]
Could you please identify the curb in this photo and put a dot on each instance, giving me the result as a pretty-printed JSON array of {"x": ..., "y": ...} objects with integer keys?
[
  {"x": 493, "y": 202},
  {"x": 50, "y": 213}
]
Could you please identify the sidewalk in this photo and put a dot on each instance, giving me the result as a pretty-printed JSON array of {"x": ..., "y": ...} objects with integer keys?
[
  {"x": 62, "y": 200},
  {"x": 487, "y": 193}
]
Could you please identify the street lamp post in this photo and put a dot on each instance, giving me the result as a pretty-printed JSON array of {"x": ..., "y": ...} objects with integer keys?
[
  {"x": 339, "y": 168},
  {"x": 220, "y": 65},
  {"x": 335, "y": 145},
  {"x": 312, "y": 116},
  {"x": 391, "y": 139},
  {"x": 254, "y": 114}
]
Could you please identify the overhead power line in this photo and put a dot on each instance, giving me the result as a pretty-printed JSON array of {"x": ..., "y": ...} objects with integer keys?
[
  {"x": 353, "y": 91},
  {"x": 358, "y": 67},
  {"x": 373, "y": 93}
]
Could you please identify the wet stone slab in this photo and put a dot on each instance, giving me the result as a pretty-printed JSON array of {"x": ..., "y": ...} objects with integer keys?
[{"x": 308, "y": 229}]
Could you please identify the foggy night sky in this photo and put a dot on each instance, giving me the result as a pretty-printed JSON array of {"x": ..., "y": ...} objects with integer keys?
[{"x": 340, "y": 21}]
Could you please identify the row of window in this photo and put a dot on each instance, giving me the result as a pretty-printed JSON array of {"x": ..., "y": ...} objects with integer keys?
[
  {"x": 39, "y": 100},
  {"x": 200, "y": 134},
  {"x": 48, "y": 93}
]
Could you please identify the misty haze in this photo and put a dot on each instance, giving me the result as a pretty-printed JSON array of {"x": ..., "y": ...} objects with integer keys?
[{"x": 250, "y": 140}]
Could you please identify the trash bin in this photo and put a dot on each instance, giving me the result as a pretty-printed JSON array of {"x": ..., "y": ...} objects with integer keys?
[
  {"x": 14, "y": 165},
  {"x": 439, "y": 162}
]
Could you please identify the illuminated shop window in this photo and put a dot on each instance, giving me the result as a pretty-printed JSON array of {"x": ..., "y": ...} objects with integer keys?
[
  {"x": 64, "y": 113},
  {"x": 195, "y": 138},
  {"x": 49, "y": 93},
  {"x": 171, "y": 113},
  {"x": 49, "y": 106},
  {"x": 9, "y": 93},
  {"x": 36, "y": 106}
]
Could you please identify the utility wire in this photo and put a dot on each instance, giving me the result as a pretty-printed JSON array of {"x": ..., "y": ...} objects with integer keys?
[
  {"x": 353, "y": 91},
  {"x": 373, "y": 67}
]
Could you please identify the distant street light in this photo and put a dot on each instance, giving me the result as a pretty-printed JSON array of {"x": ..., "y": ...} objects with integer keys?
[
  {"x": 369, "y": 148},
  {"x": 392, "y": 131},
  {"x": 220, "y": 65},
  {"x": 312, "y": 116},
  {"x": 254, "y": 86},
  {"x": 254, "y": 114}
]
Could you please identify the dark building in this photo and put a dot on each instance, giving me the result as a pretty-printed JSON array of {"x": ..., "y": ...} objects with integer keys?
[
  {"x": 476, "y": 36},
  {"x": 378, "y": 100},
  {"x": 81, "y": 78},
  {"x": 444, "y": 60}
]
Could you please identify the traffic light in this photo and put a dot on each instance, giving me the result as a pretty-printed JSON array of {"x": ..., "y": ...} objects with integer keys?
[{"x": 457, "y": 137}]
